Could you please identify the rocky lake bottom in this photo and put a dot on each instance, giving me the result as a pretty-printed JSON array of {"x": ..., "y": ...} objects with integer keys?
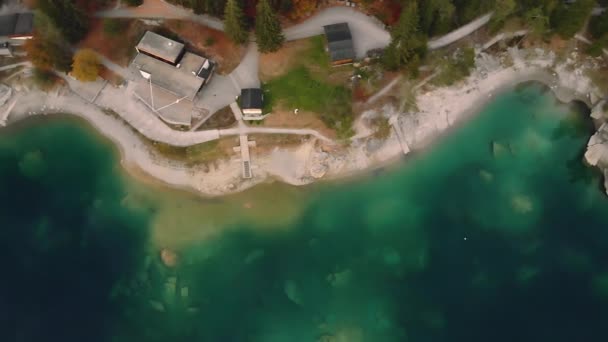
[{"x": 498, "y": 232}]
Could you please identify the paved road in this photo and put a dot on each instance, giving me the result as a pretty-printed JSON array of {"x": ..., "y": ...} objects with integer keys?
[
  {"x": 16, "y": 65},
  {"x": 271, "y": 130},
  {"x": 598, "y": 10},
  {"x": 222, "y": 90},
  {"x": 368, "y": 33},
  {"x": 156, "y": 9},
  {"x": 460, "y": 32}
]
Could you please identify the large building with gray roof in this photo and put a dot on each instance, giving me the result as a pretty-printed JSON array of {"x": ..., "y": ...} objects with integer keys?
[{"x": 171, "y": 77}]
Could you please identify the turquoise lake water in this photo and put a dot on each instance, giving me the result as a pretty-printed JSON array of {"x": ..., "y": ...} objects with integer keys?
[{"x": 497, "y": 233}]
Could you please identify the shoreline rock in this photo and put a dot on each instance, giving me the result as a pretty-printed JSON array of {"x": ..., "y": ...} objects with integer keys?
[{"x": 438, "y": 111}]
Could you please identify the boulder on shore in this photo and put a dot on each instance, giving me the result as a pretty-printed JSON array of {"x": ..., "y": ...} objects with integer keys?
[
  {"x": 168, "y": 257},
  {"x": 597, "y": 152}
]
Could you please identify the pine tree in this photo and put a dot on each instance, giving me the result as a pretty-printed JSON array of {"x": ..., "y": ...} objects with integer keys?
[
  {"x": 268, "y": 32},
  {"x": 502, "y": 9},
  {"x": 67, "y": 17},
  {"x": 537, "y": 21},
  {"x": 234, "y": 22},
  {"x": 407, "y": 40},
  {"x": 568, "y": 19}
]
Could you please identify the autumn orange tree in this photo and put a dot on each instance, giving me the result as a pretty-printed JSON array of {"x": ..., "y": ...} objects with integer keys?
[
  {"x": 47, "y": 54},
  {"x": 86, "y": 65},
  {"x": 302, "y": 7}
]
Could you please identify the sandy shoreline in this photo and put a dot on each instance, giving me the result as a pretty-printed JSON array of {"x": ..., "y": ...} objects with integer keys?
[{"x": 439, "y": 111}]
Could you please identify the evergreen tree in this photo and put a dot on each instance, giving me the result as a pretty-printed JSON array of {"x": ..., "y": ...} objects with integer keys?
[
  {"x": 407, "y": 41},
  {"x": 537, "y": 21},
  {"x": 436, "y": 16},
  {"x": 67, "y": 17},
  {"x": 234, "y": 22},
  {"x": 268, "y": 32},
  {"x": 502, "y": 9},
  {"x": 598, "y": 26},
  {"x": 567, "y": 19}
]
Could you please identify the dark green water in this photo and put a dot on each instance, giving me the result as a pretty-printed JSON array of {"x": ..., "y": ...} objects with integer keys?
[{"x": 499, "y": 233}]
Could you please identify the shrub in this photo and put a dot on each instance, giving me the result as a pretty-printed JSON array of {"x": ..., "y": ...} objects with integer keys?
[{"x": 44, "y": 79}]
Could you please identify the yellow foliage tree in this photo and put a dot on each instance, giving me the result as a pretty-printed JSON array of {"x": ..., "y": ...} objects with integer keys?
[{"x": 86, "y": 65}]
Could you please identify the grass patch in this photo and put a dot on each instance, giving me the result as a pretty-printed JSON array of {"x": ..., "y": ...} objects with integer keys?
[
  {"x": 316, "y": 54},
  {"x": 299, "y": 89},
  {"x": 221, "y": 119},
  {"x": 383, "y": 127},
  {"x": 191, "y": 155}
]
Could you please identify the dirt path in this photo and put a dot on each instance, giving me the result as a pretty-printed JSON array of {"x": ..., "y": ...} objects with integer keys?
[{"x": 157, "y": 9}]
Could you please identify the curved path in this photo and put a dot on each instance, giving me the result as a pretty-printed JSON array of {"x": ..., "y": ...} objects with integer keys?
[
  {"x": 368, "y": 33},
  {"x": 223, "y": 89},
  {"x": 271, "y": 130},
  {"x": 460, "y": 32},
  {"x": 156, "y": 9}
]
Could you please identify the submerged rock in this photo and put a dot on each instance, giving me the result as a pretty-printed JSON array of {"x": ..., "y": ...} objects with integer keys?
[
  {"x": 600, "y": 285},
  {"x": 254, "y": 255},
  {"x": 340, "y": 279},
  {"x": 527, "y": 273},
  {"x": 486, "y": 176},
  {"x": 391, "y": 256},
  {"x": 597, "y": 151},
  {"x": 168, "y": 257},
  {"x": 32, "y": 165},
  {"x": 156, "y": 305},
  {"x": 292, "y": 292},
  {"x": 522, "y": 204},
  {"x": 499, "y": 150}
]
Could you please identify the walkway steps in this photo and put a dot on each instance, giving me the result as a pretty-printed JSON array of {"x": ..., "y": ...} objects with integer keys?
[{"x": 245, "y": 158}]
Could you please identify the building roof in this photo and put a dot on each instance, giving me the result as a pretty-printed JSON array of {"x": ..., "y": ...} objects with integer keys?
[
  {"x": 182, "y": 81},
  {"x": 17, "y": 24},
  {"x": 251, "y": 98},
  {"x": 339, "y": 42},
  {"x": 163, "y": 103},
  {"x": 161, "y": 47}
]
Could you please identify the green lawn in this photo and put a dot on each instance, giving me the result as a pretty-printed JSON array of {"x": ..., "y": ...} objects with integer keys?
[
  {"x": 299, "y": 89},
  {"x": 306, "y": 87}
]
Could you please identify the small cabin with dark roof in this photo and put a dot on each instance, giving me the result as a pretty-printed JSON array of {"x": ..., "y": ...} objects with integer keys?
[
  {"x": 339, "y": 44},
  {"x": 252, "y": 100},
  {"x": 171, "y": 77}
]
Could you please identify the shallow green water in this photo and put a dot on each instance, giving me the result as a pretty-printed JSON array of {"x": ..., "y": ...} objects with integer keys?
[{"x": 499, "y": 233}]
